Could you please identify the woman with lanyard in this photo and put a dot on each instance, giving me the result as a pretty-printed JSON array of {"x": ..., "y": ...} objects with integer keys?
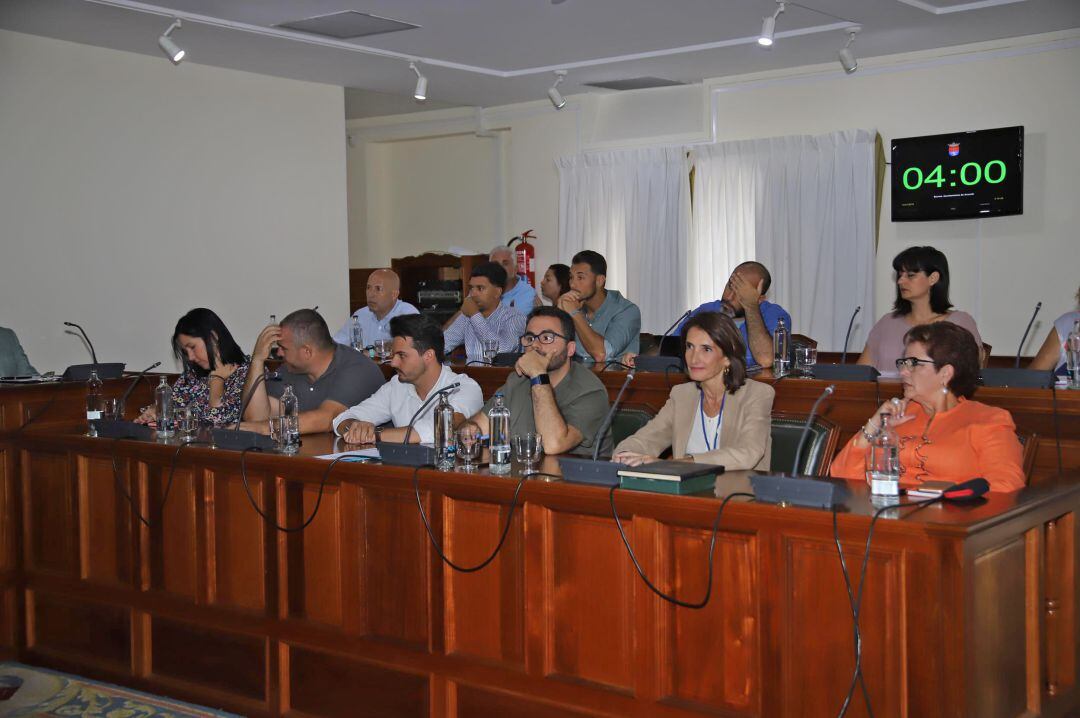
[{"x": 717, "y": 418}]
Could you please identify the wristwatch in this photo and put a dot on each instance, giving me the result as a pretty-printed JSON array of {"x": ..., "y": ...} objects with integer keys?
[{"x": 540, "y": 380}]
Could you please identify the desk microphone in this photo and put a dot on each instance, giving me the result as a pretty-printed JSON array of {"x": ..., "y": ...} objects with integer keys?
[
  {"x": 131, "y": 387},
  {"x": 684, "y": 315},
  {"x": 806, "y": 428},
  {"x": 93, "y": 354},
  {"x": 592, "y": 471},
  {"x": 241, "y": 440},
  {"x": 426, "y": 404},
  {"x": 598, "y": 438},
  {"x": 847, "y": 337},
  {"x": 1024, "y": 338},
  {"x": 81, "y": 372},
  {"x": 966, "y": 491}
]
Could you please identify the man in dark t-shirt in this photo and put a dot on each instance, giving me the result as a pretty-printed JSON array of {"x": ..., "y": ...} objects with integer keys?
[
  {"x": 550, "y": 395},
  {"x": 326, "y": 377}
]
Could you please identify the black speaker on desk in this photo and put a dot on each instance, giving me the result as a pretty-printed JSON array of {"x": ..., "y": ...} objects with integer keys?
[
  {"x": 120, "y": 429},
  {"x": 81, "y": 372},
  {"x": 1018, "y": 378},
  {"x": 845, "y": 372},
  {"x": 663, "y": 364}
]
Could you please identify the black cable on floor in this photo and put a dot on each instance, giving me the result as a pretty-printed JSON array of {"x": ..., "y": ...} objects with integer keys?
[
  {"x": 712, "y": 547},
  {"x": 435, "y": 542}
]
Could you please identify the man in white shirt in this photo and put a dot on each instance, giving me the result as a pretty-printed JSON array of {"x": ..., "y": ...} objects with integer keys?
[
  {"x": 383, "y": 290},
  {"x": 417, "y": 359},
  {"x": 518, "y": 293}
]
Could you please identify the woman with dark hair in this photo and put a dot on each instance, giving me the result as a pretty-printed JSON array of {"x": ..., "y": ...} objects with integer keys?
[
  {"x": 215, "y": 369},
  {"x": 556, "y": 282},
  {"x": 922, "y": 297},
  {"x": 719, "y": 417},
  {"x": 944, "y": 436}
]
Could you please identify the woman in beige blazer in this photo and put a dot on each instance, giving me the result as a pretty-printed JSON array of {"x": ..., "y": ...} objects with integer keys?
[{"x": 719, "y": 417}]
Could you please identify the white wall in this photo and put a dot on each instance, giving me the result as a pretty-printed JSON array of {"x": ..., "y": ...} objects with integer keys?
[
  {"x": 132, "y": 190},
  {"x": 1000, "y": 267}
]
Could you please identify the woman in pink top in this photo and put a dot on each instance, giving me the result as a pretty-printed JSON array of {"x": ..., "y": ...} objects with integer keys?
[{"x": 922, "y": 297}]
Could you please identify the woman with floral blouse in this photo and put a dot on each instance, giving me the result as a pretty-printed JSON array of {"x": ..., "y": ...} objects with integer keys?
[{"x": 215, "y": 369}]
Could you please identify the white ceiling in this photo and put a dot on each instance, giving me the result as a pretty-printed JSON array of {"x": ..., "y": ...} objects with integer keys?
[{"x": 493, "y": 52}]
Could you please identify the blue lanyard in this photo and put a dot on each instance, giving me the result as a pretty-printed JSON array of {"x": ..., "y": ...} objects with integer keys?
[{"x": 719, "y": 420}]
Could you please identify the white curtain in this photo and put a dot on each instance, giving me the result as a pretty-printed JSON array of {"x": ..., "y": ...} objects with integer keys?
[
  {"x": 633, "y": 207},
  {"x": 805, "y": 208}
]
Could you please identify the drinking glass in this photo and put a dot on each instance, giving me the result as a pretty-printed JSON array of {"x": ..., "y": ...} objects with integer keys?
[
  {"x": 490, "y": 348},
  {"x": 382, "y": 349},
  {"x": 469, "y": 445},
  {"x": 285, "y": 431},
  {"x": 112, "y": 408},
  {"x": 185, "y": 423},
  {"x": 805, "y": 359},
  {"x": 527, "y": 449}
]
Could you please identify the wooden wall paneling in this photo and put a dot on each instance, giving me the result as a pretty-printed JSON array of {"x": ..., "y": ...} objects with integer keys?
[
  {"x": 587, "y": 601},
  {"x": 353, "y": 619},
  {"x": 1000, "y": 627},
  {"x": 1059, "y": 607},
  {"x": 484, "y": 610},
  {"x": 481, "y": 702},
  {"x": 396, "y": 568},
  {"x": 817, "y": 621},
  {"x": 311, "y": 560},
  {"x": 239, "y": 541},
  {"x": 106, "y": 539},
  {"x": 50, "y": 513},
  {"x": 10, "y": 621},
  {"x": 78, "y": 631},
  {"x": 174, "y": 555},
  {"x": 325, "y": 684},
  {"x": 720, "y": 673}
]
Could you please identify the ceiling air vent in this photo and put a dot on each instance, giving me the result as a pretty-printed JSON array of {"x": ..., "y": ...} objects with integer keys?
[
  {"x": 634, "y": 83},
  {"x": 347, "y": 25}
]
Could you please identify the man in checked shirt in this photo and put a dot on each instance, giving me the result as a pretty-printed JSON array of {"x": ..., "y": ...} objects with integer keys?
[{"x": 483, "y": 317}]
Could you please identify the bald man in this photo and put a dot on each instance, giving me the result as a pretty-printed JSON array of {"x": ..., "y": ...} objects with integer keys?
[
  {"x": 518, "y": 293},
  {"x": 383, "y": 289},
  {"x": 757, "y": 319}
]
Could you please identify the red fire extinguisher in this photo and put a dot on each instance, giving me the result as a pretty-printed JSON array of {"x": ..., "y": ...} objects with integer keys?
[{"x": 525, "y": 254}]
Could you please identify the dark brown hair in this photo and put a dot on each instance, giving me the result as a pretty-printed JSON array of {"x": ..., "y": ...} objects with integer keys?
[
  {"x": 725, "y": 335},
  {"x": 949, "y": 344}
]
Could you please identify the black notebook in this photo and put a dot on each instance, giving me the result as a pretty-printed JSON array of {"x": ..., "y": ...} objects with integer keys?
[{"x": 671, "y": 470}]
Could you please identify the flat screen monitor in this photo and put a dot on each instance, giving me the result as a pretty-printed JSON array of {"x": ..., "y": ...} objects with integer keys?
[{"x": 959, "y": 175}]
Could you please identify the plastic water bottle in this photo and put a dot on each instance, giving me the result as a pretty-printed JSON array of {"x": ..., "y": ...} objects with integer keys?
[
  {"x": 445, "y": 446},
  {"x": 1072, "y": 355},
  {"x": 499, "y": 429},
  {"x": 290, "y": 409},
  {"x": 356, "y": 335},
  {"x": 781, "y": 349},
  {"x": 95, "y": 401},
  {"x": 163, "y": 405},
  {"x": 883, "y": 461}
]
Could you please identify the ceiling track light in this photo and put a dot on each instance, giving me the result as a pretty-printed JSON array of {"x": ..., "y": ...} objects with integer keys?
[
  {"x": 420, "y": 93},
  {"x": 768, "y": 25},
  {"x": 556, "y": 97},
  {"x": 847, "y": 57},
  {"x": 174, "y": 52}
]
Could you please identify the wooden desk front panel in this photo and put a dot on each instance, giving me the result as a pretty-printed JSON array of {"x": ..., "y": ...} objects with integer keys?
[{"x": 357, "y": 615}]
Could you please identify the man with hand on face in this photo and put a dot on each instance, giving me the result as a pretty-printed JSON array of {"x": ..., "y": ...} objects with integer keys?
[
  {"x": 483, "y": 316},
  {"x": 326, "y": 377},
  {"x": 550, "y": 395},
  {"x": 756, "y": 318},
  {"x": 606, "y": 323},
  {"x": 417, "y": 360},
  {"x": 383, "y": 304}
]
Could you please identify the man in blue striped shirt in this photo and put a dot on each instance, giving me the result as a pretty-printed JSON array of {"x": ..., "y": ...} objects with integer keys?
[{"x": 484, "y": 317}]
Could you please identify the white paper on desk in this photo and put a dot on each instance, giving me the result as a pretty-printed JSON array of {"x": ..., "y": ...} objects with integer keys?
[{"x": 360, "y": 454}]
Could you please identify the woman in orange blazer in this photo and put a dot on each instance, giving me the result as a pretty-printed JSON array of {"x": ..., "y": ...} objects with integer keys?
[
  {"x": 944, "y": 436},
  {"x": 719, "y": 417}
]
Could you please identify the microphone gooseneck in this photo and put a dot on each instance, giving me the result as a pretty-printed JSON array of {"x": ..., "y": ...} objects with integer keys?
[
  {"x": 667, "y": 332},
  {"x": 610, "y": 416},
  {"x": 1023, "y": 339},
  {"x": 427, "y": 402},
  {"x": 265, "y": 376},
  {"x": 847, "y": 337},
  {"x": 806, "y": 428},
  {"x": 93, "y": 354},
  {"x": 131, "y": 387}
]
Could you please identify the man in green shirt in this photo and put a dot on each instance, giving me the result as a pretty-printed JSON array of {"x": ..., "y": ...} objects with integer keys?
[
  {"x": 606, "y": 323},
  {"x": 550, "y": 395}
]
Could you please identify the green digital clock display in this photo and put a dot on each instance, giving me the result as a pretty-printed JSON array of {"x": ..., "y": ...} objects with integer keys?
[{"x": 961, "y": 175}]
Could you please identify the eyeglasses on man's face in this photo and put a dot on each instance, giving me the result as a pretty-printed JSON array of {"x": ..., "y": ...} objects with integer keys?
[
  {"x": 545, "y": 337},
  {"x": 910, "y": 363}
]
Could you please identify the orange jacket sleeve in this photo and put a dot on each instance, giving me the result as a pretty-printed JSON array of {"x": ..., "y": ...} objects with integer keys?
[{"x": 1000, "y": 456}]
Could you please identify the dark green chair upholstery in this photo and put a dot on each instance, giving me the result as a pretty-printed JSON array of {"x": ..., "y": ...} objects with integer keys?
[
  {"x": 817, "y": 453},
  {"x": 627, "y": 421}
]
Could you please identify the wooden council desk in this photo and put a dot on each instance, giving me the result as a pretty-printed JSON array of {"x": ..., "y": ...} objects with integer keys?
[{"x": 968, "y": 611}]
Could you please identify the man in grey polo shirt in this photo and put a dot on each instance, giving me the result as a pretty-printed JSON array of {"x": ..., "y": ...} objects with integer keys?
[
  {"x": 550, "y": 395},
  {"x": 606, "y": 323},
  {"x": 326, "y": 377}
]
